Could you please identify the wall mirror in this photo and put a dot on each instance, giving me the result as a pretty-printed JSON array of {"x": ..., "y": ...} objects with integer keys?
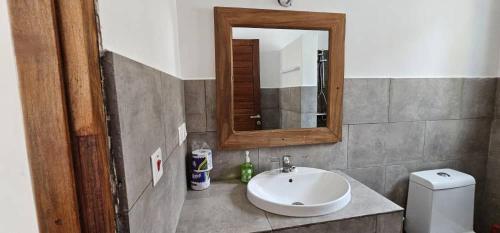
[{"x": 279, "y": 77}]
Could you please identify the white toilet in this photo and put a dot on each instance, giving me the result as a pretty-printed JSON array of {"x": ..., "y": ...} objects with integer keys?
[{"x": 440, "y": 201}]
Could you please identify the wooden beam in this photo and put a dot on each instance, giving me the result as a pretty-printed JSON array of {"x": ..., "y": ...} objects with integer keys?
[
  {"x": 34, "y": 30},
  {"x": 80, "y": 55},
  {"x": 56, "y": 47}
]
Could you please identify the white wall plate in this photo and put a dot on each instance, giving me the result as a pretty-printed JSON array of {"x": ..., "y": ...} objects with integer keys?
[
  {"x": 182, "y": 133},
  {"x": 156, "y": 166}
]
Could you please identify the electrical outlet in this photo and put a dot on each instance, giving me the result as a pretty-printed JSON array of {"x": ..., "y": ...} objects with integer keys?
[
  {"x": 156, "y": 166},
  {"x": 182, "y": 133}
]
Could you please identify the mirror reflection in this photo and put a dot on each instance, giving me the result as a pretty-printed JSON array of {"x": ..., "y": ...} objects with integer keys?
[{"x": 280, "y": 78}]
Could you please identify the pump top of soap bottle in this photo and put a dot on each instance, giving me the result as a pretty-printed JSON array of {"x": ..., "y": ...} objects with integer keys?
[{"x": 247, "y": 156}]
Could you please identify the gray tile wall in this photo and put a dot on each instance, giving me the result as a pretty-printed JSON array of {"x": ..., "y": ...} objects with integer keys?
[
  {"x": 270, "y": 109},
  {"x": 308, "y": 99},
  {"x": 491, "y": 204},
  {"x": 146, "y": 107},
  {"x": 290, "y": 107},
  {"x": 392, "y": 127},
  {"x": 298, "y": 107}
]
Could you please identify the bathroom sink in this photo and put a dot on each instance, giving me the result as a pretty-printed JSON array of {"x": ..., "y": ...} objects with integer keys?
[{"x": 305, "y": 192}]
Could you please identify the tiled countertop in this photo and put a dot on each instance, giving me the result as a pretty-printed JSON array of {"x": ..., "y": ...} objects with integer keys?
[{"x": 225, "y": 208}]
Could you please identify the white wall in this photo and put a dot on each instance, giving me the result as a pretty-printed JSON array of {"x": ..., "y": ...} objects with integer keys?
[
  {"x": 271, "y": 41},
  {"x": 299, "y": 61},
  {"x": 145, "y": 31},
  {"x": 271, "y": 44},
  {"x": 386, "y": 38},
  {"x": 310, "y": 59},
  {"x": 323, "y": 40},
  {"x": 17, "y": 206},
  {"x": 269, "y": 69},
  {"x": 291, "y": 58}
]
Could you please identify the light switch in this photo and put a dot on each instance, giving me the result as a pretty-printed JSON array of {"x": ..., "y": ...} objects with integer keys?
[
  {"x": 156, "y": 166},
  {"x": 182, "y": 133}
]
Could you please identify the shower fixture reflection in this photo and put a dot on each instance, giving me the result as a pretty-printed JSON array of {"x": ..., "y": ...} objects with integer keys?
[{"x": 322, "y": 87}]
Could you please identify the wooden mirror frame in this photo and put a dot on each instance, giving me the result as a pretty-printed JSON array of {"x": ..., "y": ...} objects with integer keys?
[{"x": 227, "y": 18}]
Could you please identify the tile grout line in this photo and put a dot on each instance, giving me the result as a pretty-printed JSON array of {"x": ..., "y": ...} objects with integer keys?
[
  {"x": 425, "y": 141},
  {"x": 165, "y": 124},
  {"x": 258, "y": 160},
  {"x": 421, "y": 120},
  {"x": 403, "y": 162},
  {"x": 139, "y": 197},
  {"x": 150, "y": 182},
  {"x": 388, "y": 121},
  {"x": 205, "y": 104},
  {"x": 384, "y": 179},
  {"x": 494, "y": 112},
  {"x": 347, "y": 146},
  {"x": 269, "y": 222},
  {"x": 461, "y": 96},
  {"x": 389, "y": 100}
]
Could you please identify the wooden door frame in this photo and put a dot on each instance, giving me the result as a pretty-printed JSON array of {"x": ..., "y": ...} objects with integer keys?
[{"x": 57, "y": 54}]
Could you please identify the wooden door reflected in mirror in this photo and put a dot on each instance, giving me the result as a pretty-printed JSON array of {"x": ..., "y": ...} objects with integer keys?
[{"x": 246, "y": 84}]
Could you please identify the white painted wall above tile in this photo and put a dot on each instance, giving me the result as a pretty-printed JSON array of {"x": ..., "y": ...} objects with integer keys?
[
  {"x": 388, "y": 38},
  {"x": 145, "y": 31}
]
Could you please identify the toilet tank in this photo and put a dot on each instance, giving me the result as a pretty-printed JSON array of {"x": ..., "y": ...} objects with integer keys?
[{"x": 440, "y": 201}]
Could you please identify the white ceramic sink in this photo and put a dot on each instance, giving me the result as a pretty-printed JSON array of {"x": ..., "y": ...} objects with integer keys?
[{"x": 304, "y": 192}]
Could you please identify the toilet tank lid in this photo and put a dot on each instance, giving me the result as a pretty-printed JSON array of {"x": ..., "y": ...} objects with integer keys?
[{"x": 442, "y": 179}]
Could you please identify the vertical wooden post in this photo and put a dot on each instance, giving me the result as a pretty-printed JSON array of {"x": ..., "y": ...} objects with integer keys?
[
  {"x": 56, "y": 48},
  {"x": 80, "y": 55},
  {"x": 34, "y": 30}
]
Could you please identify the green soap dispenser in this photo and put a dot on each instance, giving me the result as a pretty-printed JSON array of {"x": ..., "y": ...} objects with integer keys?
[{"x": 246, "y": 168}]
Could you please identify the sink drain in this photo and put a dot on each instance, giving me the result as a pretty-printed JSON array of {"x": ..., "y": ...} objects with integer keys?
[{"x": 297, "y": 203}]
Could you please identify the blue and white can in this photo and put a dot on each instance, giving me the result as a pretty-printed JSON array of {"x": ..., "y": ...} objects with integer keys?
[
  {"x": 201, "y": 160},
  {"x": 200, "y": 180}
]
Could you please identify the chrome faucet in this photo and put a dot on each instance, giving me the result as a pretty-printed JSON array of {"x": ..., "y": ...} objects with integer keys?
[{"x": 287, "y": 164}]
